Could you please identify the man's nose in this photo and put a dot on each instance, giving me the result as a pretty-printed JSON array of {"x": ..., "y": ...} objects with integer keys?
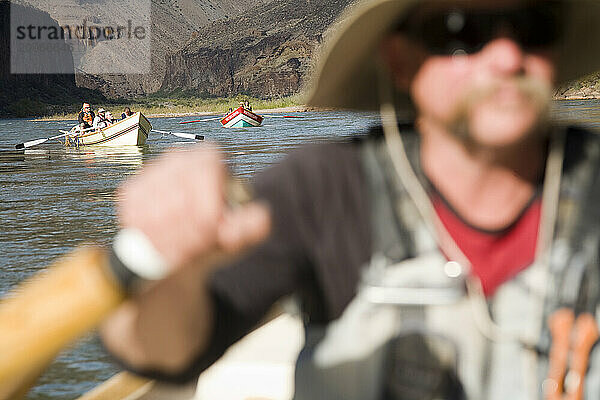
[{"x": 504, "y": 56}]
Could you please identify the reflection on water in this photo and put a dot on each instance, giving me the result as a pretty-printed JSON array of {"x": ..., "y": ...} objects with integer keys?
[
  {"x": 120, "y": 156},
  {"x": 581, "y": 112},
  {"x": 54, "y": 199}
]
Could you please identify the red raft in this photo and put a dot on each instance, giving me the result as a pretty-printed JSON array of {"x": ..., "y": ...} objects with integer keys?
[{"x": 241, "y": 118}]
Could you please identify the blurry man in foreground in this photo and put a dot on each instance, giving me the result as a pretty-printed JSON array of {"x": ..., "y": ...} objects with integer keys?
[{"x": 452, "y": 253}]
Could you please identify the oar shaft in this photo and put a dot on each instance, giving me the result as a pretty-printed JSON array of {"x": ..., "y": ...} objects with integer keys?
[
  {"x": 67, "y": 300},
  {"x": 201, "y": 120},
  {"x": 36, "y": 142},
  {"x": 181, "y": 134},
  {"x": 282, "y": 116}
]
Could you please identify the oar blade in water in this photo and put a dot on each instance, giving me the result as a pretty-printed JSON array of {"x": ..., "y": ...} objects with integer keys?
[{"x": 30, "y": 144}]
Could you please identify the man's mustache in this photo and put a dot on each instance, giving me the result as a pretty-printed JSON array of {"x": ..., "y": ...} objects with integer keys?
[{"x": 538, "y": 93}]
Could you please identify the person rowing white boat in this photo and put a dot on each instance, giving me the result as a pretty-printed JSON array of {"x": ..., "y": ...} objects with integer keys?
[{"x": 86, "y": 117}]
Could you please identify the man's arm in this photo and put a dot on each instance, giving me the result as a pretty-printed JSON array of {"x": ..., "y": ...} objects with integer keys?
[
  {"x": 166, "y": 326},
  {"x": 319, "y": 239},
  {"x": 179, "y": 203}
]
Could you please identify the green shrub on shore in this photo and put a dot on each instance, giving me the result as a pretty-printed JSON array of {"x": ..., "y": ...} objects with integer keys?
[
  {"x": 26, "y": 108},
  {"x": 174, "y": 104}
]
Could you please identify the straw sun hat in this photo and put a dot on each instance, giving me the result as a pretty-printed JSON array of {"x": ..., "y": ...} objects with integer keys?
[{"x": 346, "y": 76}]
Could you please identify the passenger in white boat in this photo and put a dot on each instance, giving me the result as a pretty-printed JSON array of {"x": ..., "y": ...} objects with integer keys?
[
  {"x": 126, "y": 113},
  {"x": 109, "y": 117},
  {"x": 101, "y": 122}
]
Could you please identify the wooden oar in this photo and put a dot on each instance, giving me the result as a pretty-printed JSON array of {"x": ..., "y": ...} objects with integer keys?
[
  {"x": 36, "y": 142},
  {"x": 201, "y": 120},
  {"x": 59, "y": 305},
  {"x": 181, "y": 134},
  {"x": 282, "y": 116}
]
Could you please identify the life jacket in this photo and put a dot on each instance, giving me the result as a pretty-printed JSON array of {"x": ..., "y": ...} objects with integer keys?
[{"x": 415, "y": 330}]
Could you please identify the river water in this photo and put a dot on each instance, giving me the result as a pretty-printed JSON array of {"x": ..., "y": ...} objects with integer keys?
[{"x": 54, "y": 199}]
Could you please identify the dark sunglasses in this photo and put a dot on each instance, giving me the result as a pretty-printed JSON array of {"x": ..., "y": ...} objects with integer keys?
[{"x": 444, "y": 32}]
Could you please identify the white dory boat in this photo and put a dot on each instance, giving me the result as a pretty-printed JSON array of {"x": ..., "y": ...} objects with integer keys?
[{"x": 131, "y": 131}]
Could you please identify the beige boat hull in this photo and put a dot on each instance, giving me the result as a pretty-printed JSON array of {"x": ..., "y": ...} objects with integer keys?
[{"x": 132, "y": 131}]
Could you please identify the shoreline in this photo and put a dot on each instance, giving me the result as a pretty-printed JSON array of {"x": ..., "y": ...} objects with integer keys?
[
  {"x": 576, "y": 98},
  {"x": 288, "y": 109},
  {"x": 211, "y": 113}
]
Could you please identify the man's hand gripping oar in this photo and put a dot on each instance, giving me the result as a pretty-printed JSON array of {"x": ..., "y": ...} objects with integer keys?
[{"x": 177, "y": 226}]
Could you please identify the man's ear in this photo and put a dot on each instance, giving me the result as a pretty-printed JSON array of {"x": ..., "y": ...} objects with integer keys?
[{"x": 403, "y": 58}]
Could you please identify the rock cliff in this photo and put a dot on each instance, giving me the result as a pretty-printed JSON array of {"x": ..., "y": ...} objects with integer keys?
[
  {"x": 173, "y": 24},
  {"x": 263, "y": 48},
  {"x": 34, "y": 94},
  {"x": 586, "y": 88},
  {"x": 264, "y": 52},
  {"x": 213, "y": 47}
]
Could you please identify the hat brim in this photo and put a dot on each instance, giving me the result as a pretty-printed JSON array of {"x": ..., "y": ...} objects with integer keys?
[{"x": 346, "y": 73}]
